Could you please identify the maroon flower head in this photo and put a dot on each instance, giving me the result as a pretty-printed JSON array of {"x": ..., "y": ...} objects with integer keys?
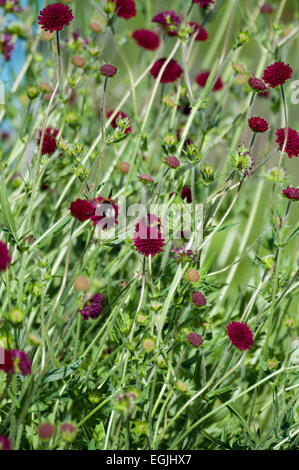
[
  {"x": 291, "y": 193},
  {"x": 22, "y": 363},
  {"x": 5, "y": 258},
  {"x": 6, "y": 362},
  {"x": 93, "y": 308},
  {"x": 171, "y": 73},
  {"x": 267, "y": 8},
  {"x": 49, "y": 141},
  {"x": 198, "y": 299},
  {"x": 186, "y": 194},
  {"x": 173, "y": 162},
  {"x": 202, "y": 78},
  {"x": 169, "y": 20},
  {"x": 125, "y": 9},
  {"x": 55, "y": 16},
  {"x": 108, "y": 70},
  {"x": 46, "y": 431},
  {"x": 195, "y": 339},
  {"x": 147, "y": 238},
  {"x": 258, "y": 124},
  {"x": 292, "y": 146},
  {"x": 5, "y": 443},
  {"x": 6, "y": 46},
  {"x": 146, "y": 39},
  {"x": 205, "y": 4},
  {"x": 201, "y": 33},
  {"x": 240, "y": 335},
  {"x": 81, "y": 209},
  {"x": 276, "y": 74},
  {"x": 256, "y": 84},
  {"x": 114, "y": 123},
  {"x": 105, "y": 212}
]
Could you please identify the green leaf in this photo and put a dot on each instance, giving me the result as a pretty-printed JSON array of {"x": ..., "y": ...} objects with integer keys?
[
  {"x": 5, "y": 209},
  {"x": 63, "y": 372},
  {"x": 197, "y": 372}
]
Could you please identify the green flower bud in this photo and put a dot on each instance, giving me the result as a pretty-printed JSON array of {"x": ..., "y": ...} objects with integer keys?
[
  {"x": 32, "y": 92},
  {"x": 182, "y": 387},
  {"x": 109, "y": 7},
  {"x": 16, "y": 316},
  {"x": 207, "y": 173}
]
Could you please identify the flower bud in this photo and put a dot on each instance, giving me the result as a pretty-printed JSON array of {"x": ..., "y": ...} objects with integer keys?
[
  {"x": 68, "y": 432},
  {"x": 109, "y": 7},
  {"x": 182, "y": 387},
  {"x": 16, "y": 316},
  {"x": 46, "y": 431},
  {"x": 32, "y": 92},
  {"x": 207, "y": 173},
  {"x": 148, "y": 344}
]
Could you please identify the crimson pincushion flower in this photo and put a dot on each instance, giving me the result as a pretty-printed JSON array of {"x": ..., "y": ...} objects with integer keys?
[
  {"x": 147, "y": 238},
  {"x": 5, "y": 443},
  {"x": 169, "y": 20},
  {"x": 125, "y": 8},
  {"x": 6, "y": 46},
  {"x": 105, "y": 212},
  {"x": 81, "y": 209},
  {"x": 256, "y": 84},
  {"x": 146, "y": 39},
  {"x": 291, "y": 193},
  {"x": 198, "y": 299},
  {"x": 205, "y": 4},
  {"x": 5, "y": 258},
  {"x": 186, "y": 194},
  {"x": 240, "y": 335},
  {"x": 22, "y": 363},
  {"x": 201, "y": 33},
  {"x": 171, "y": 73},
  {"x": 6, "y": 362},
  {"x": 55, "y": 16},
  {"x": 49, "y": 141},
  {"x": 114, "y": 120},
  {"x": 292, "y": 145},
  {"x": 93, "y": 307},
  {"x": 258, "y": 124},
  {"x": 108, "y": 70},
  {"x": 195, "y": 339},
  {"x": 276, "y": 74},
  {"x": 172, "y": 162},
  {"x": 201, "y": 80}
]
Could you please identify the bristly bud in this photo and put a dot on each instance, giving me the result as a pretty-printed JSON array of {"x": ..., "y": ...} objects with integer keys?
[
  {"x": 68, "y": 432},
  {"x": 148, "y": 345},
  {"x": 145, "y": 178},
  {"x": 141, "y": 319},
  {"x": 208, "y": 175},
  {"x": 172, "y": 162},
  {"x": 242, "y": 160},
  {"x": 62, "y": 145},
  {"x": 182, "y": 387},
  {"x": 46, "y": 431},
  {"x": 191, "y": 151},
  {"x": 289, "y": 322},
  {"x": 242, "y": 38},
  {"x": 192, "y": 275},
  {"x": 82, "y": 283},
  {"x": 78, "y": 61},
  {"x": 108, "y": 70},
  {"x": 272, "y": 364},
  {"x": 95, "y": 27},
  {"x": 109, "y": 7},
  {"x": 34, "y": 339},
  {"x": 16, "y": 316},
  {"x": 170, "y": 143},
  {"x": 32, "y": 92}
]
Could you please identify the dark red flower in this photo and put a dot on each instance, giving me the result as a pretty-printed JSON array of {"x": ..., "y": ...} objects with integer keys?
[
  {"x": 201, "y": 33},
  {"x": 147, "y": 238},
  {"x": 55, "y": 16},
  {"x": 108, "y": 70},
  {"x": 256, "y": 84},
  {"x": 186, "y": 194},
  {"x": 169, "y": 20},
  {"x": 202, "y": 78},
  {"x": 5, "y": 258},
  {"x": 276, "y": 74},
  {"x": 6, "y": 46},
  {"x": 146, "y": 39},
  {"x": 173, "y": 162},
  {"x": 114, "y": 123},
  {"x": 240, "y": 335},
  {"x": 198, "y": 299},
  {"x": 93, "y": 308},
  {"x": 171, "y": 73},
  {"x": 22, "y": 363},
  {"x": 258, "y": 124},
  {"x": 6, "y": 362},
  {"x": 267, "y": 8},
  {"x": 49, "y": 141},
  {"x": 291, "y": 193},
  {"x": 195, "y": 339},
  {"x": 292, "y": 146},
  {"x": 46, "y": 431},
  {"x": 5, "y": 443},
  {"x": 204, "y": 3},
  {"x": 125, "y": 9},
  {"x": 81, "y": 209},
  {"x": 105, "y": 212}
]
